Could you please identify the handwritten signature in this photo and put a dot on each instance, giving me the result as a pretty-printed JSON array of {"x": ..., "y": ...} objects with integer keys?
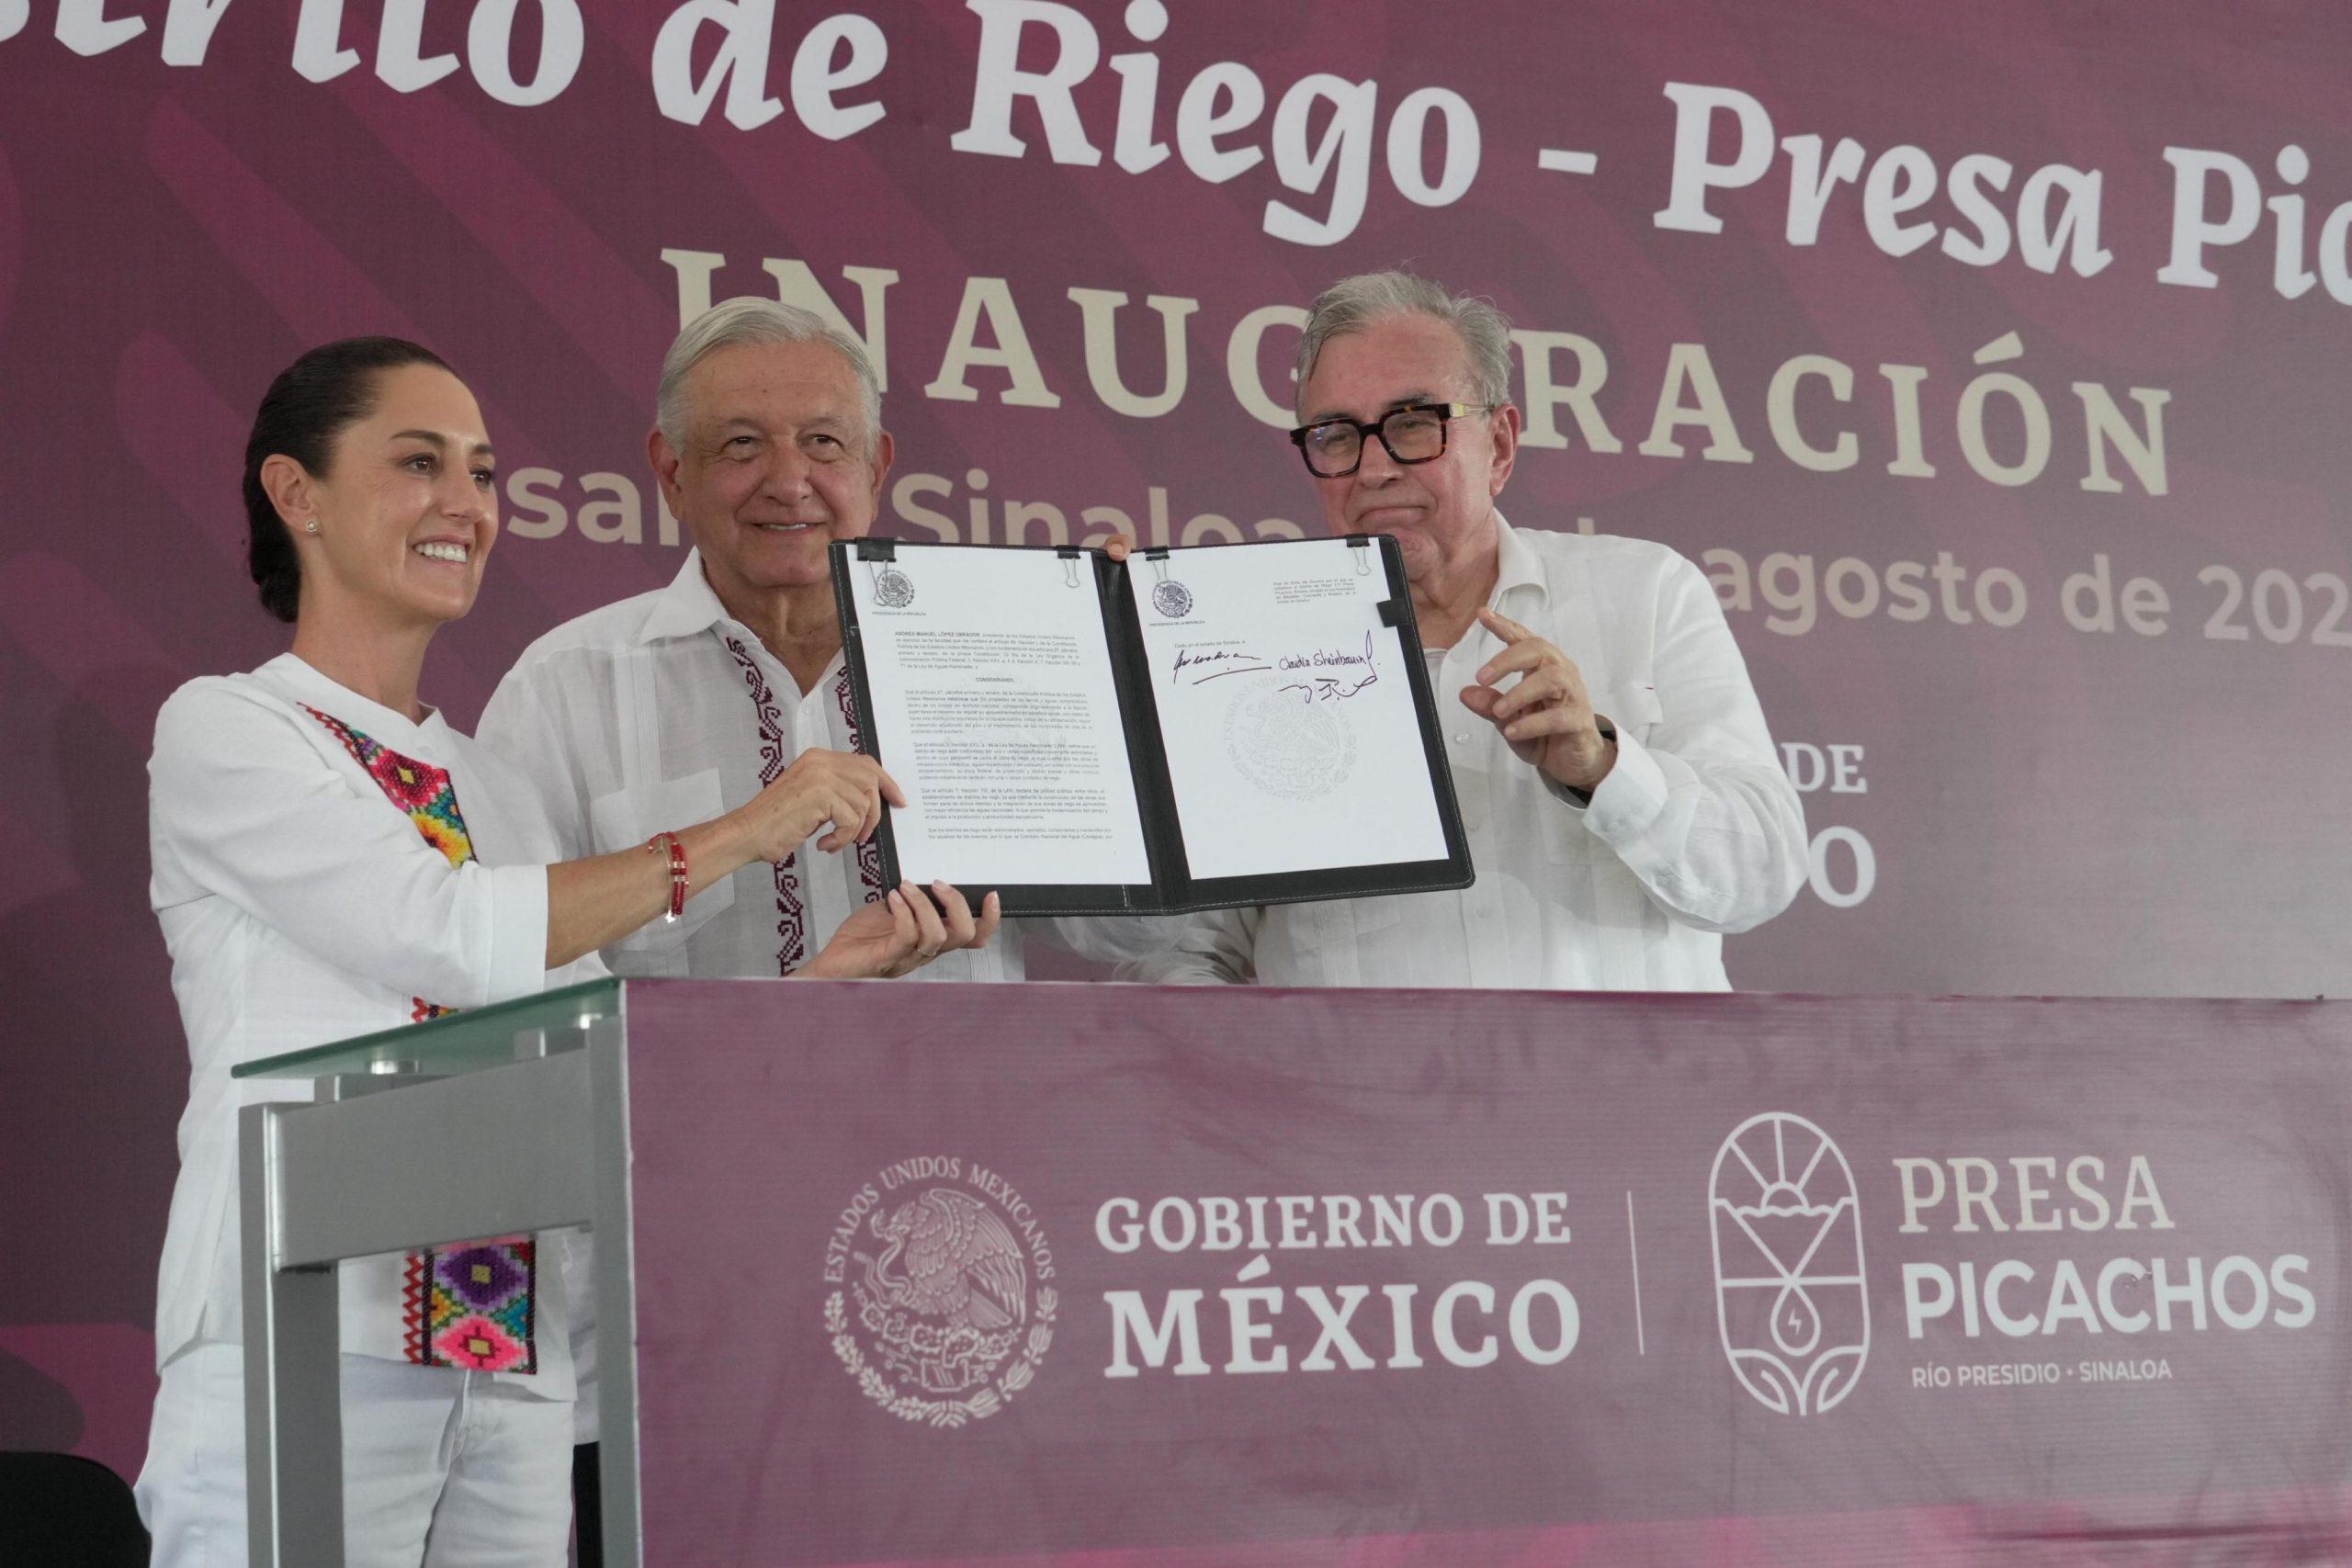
[
  {"x": 1325, "y": 688},
  {"x": 1323, "y": 656},
  {"x": 1331, "y": 688},
  {"x": 1216, "y": 666},
  {"x": 1206, "y": 667}
]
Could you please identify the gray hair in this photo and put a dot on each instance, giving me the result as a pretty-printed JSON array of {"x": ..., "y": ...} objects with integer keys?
[
  {"x": 749, "y": 320},
  {"x": 1355, "y": 303}
]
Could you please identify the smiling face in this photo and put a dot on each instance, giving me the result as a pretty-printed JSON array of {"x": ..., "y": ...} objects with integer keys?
[
  {"x": 407, "y": 509},
  {"x": 776, "y": 463},
  {"x": 1442, "y": 511}
]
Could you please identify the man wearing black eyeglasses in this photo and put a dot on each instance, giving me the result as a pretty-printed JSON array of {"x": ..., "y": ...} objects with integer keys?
[{"x": 1617, "y": 782}]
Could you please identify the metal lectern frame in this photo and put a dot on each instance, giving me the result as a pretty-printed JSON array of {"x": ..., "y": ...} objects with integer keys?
[{"x": 500, "y": 1122}]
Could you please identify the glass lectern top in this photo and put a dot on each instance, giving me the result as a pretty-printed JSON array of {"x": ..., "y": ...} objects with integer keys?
[{"x": 545, "y": 1024}]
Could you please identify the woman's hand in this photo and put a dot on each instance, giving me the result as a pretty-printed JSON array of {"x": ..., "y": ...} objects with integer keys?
[
  {"x": 899, "y": 934},
  {"x": 840, "y": 787},
  {"x": 594, "y": 903}
]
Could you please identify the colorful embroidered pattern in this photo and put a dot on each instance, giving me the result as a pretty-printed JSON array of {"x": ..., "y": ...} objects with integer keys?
[
  {"x": 418, "y": 788},
  {"x": 473, "y": 1308}
]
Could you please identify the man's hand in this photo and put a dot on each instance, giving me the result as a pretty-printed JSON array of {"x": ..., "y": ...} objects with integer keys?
[
  {"x": 900, "y": 933},
  {"x": 1546, "y": 716},
  {"x": 1118, "y": 546}
]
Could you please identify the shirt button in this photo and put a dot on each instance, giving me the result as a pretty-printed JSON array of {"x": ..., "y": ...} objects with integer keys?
[
  {"x": 1462, "y": 737},
  {"x": 1470, "y": 824}
]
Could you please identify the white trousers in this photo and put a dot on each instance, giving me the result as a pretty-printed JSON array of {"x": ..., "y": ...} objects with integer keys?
[{"x": 441, "y": 1468}]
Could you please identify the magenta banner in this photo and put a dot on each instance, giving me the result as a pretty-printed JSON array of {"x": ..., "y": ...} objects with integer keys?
[
  {"x": 946, "y": 1273},
  {"x": 1985, "y": 357}
]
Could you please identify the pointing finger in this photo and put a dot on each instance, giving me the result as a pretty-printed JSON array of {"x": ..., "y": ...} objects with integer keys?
[{"x": 1503, "y": 627}]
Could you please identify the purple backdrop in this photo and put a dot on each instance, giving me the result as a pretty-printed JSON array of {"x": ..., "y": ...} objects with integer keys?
[{"x": 2026, "y": 808}]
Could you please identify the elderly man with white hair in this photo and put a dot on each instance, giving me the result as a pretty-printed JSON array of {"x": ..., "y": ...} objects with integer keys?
[
  {"x": 1617, "y": 784},
  {"x": 667, "y": 708},
  {"x": 661, "y": 709}
]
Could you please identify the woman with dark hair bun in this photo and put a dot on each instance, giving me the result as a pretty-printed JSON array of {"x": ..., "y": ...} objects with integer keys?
[
  {"x": 332, "y": 859},
  {"x": 306, "y": 408}
]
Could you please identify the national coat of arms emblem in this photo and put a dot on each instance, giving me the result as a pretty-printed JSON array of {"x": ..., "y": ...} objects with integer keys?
[
  {"x": 1170, "y": 598},
  {"x": 893, "y": 589},
  {"x": 938, "y": 1320}
]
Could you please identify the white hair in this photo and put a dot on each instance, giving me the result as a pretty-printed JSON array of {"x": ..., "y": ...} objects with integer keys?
[
  {"x": 1355, "y": 303},
  {"x": 753, "y": 321}
]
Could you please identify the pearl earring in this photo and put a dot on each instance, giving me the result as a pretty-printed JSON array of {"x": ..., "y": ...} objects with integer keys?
[{"x": 311, "y": 526}]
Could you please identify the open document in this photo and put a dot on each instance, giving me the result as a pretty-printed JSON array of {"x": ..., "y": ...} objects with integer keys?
[{"x": 1190, "y": 729}]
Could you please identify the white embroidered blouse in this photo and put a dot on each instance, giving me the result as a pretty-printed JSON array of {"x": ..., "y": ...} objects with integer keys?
[{"x": 302, "y": 905}]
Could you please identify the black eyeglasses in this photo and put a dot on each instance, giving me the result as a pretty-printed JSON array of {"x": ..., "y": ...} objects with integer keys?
[{"x": 1333, "y": 448}]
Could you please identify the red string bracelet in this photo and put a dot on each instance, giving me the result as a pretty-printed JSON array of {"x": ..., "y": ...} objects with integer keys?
[{"x": 678, "y": 871}]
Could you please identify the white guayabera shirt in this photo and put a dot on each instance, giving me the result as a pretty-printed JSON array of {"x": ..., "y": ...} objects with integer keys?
[
  {"x": 1696, "y": 830},
  {"x": 301, "y": 906},
  {"x": 663, "y": 711}
]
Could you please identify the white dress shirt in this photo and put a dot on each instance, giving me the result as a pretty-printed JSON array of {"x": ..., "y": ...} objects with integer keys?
[
  {"x": 301, "y": 906},
  {"x": 658, "y": 712},
  {"x": 1695, "y": 832}
]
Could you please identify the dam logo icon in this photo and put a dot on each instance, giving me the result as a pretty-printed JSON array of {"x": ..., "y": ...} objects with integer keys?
[{"x": 1789, "y": 1299}]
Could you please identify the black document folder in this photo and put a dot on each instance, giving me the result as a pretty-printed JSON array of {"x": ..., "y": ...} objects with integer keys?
[{"x": 1190, "y": 729}]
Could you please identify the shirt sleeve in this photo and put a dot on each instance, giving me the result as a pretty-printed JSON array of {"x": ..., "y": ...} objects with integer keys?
[
  {"x": 1112, "y": 939},
  {"x": 1213, "y": 949},
  {"x": 520, "y": 725},
  {"x": 248, "y": 809},
  {"x": 1701, "y": 813}
]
